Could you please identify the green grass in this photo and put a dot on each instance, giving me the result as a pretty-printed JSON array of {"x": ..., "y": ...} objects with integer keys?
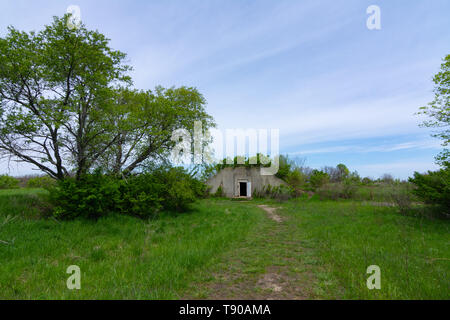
[
  {"x": 413, "y": 253},
  {"x": 222, "y": 249},
  {"x": 120, "y": 257},
  {"x": 24, "y": 203}
]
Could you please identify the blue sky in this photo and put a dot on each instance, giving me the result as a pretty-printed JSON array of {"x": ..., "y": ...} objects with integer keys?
[{"x": 337, "y": 91}]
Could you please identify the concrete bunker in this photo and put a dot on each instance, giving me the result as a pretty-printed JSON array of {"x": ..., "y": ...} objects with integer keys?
[{"x": 241, "y": 181}]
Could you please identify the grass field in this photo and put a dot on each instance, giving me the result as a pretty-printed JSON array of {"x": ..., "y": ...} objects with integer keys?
[{"x": 224, "y": 249}]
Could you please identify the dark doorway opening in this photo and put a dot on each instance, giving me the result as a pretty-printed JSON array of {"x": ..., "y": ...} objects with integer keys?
[{"x": 243, "y": 189}]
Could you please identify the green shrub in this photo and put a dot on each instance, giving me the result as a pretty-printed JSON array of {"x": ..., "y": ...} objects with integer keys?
[
  {"x": 318, "y": 178},
  {"x": 143, "y": 195},
  {"x": 92, "y": 196},
  {"x": 8, "y": 182},
  {"x": 297, "y": 180},
  {"x": 433, "y": 187},
  {"x": 180, "y": 189},
  {"x": 140, "y": 195},
  {"x": 41, "y": 182}
]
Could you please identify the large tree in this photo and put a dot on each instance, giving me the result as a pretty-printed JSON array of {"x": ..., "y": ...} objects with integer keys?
[
  {"x": 144, "y": 122},
  {"x": 66, "y": 106},
  {"x": 439, "y": 110}
]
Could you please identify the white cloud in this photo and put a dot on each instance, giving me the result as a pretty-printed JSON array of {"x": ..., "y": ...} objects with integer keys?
[{"x": 417, "y": 145}]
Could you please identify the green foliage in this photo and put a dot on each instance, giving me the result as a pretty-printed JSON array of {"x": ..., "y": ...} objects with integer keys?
[
  {"x": 143, "y": 195},
  {"x": 180, "y": 188},
  {"x": 167, "y": 254},
  {"x": 318, "y": 178},
  {"x": 352, "y": 178},
  {"x": 439, "y": 110},
  {"x": 41, "y": 182},
  {"x": 367, "y": 181},
  {"x": 8, "y": 182},
  {"x": 339, "y": 190},
  {"x": 297, "y": 180},
  {"x": 346, "y": 235},
  {"x": 259, "y": 160},
  {"x": 219, "y": 192},
  {"x": 343, "y": 172},
  {"x": 140, "y": 195},
  {"x": 291, "y": 171},
  {"x": 70, "y": 76},
  {"x": 433, "y": 187},
  {"x": 91, "y": 196},
  {"x": 72, "y": 90},
  {"x": 143, "y": 123},
  {"x": 281, "y": 192},
  {"x": 285, "y": 167}
]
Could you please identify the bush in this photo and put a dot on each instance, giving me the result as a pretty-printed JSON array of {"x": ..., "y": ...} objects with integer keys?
[
  {"x": 433, "y": 187},
  {"x": 8, "y": 182},
  {"x": 180, "y": 188},
  {"x": 318, "y": 179},
  {"x": 92, "y": 196},
  {"x": 41, "y": 182},
  {"x": 143, "y": 195},
  {"x": 140, "y": 195},
  {"x": 297, "y": 180}
]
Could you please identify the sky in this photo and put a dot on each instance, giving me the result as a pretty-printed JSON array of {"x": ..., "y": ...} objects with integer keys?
[{"x": 337, "y": 91}]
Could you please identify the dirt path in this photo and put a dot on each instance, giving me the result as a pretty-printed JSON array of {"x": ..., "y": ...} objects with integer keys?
[
  {"x": 271, "y": 212},
  {"x": 268, "y": 266}
]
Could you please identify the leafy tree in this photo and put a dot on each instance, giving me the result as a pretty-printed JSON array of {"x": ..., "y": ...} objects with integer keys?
[
  {"x": 338, "y": 173},
  {"x": 143, "y": 122},
  {"x": 439, "y": 110},
  {"x": 433, "y": 187},
  {"x": 66, "y": 106},
  {"x": 55, "y": 87},
  {"x": 343, "y": 171}
]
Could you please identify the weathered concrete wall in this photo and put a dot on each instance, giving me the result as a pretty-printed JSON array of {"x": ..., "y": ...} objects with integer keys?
[{"x": 229, "y": 178}]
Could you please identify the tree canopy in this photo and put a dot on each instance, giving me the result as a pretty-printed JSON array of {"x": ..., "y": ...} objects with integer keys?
[
  {"x": 67, "y": 106},
  {"x": 438, "y": 110}
]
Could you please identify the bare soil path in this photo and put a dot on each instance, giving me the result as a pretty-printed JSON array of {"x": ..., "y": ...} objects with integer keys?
[
  {"x": 271, "y": 212},
  {"x": 270, "y": 265}
]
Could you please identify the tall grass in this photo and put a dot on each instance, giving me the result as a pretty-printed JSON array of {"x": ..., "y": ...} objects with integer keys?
[
  {"x": 120, "y": 257},
  {"x": 413, "y": 253}
]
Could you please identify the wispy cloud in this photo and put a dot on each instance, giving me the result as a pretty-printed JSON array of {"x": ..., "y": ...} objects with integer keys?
[{"x": 416, "y": 145}]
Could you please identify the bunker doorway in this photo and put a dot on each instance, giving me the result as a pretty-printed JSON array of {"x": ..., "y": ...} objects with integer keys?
[{"x": 243, "y": 189}]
